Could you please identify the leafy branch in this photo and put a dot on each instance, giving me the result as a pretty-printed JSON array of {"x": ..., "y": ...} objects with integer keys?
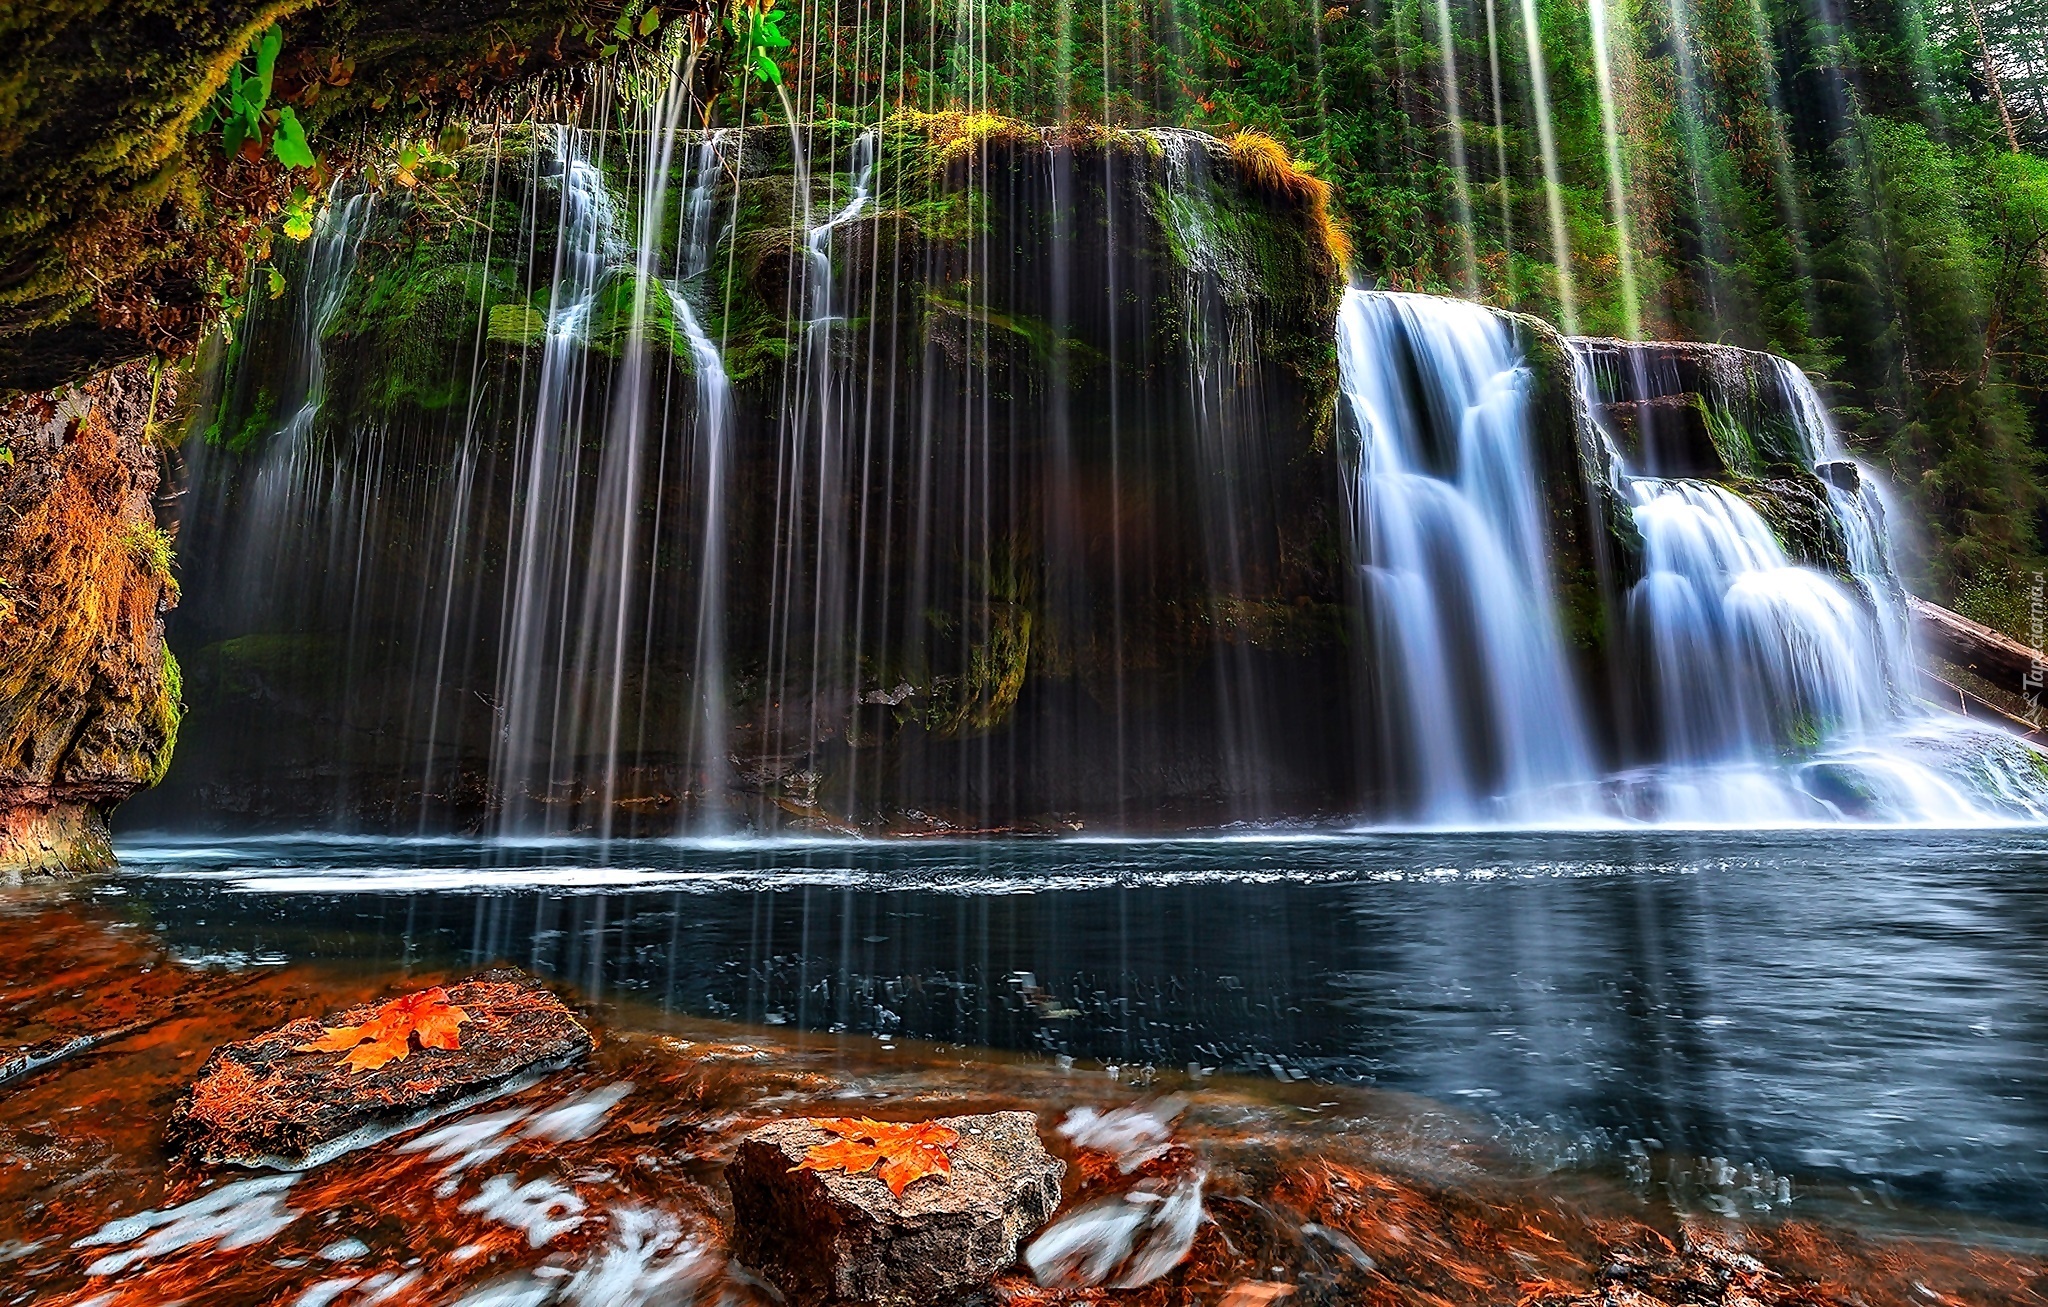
[
  {"x": 757, "y": 26},
  {"x": 243, "y": 115}
]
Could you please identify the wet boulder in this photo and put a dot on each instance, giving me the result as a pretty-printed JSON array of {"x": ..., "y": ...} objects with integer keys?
[
  {"x": 829, "y": 1237},
  {"x": 276, "y": 1100}
]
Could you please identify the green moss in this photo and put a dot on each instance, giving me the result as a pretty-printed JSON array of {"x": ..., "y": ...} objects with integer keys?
[
  {"x": 152, "y": 548},
  {"x": 251, "y": 666},
  {"x": 982, "y": 697},
  {"x": 516, "y": 324},
  {"x": 169, "y": 716},
  {"x": 1797, "y": 510},
  {"x": 1046, "y": 345},
  {"x": 258, "y": 423}
]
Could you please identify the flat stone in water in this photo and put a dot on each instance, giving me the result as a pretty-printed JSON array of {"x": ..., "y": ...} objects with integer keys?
[
  {"x": 260, "y": 1102},
  {"x": 826, "y": 1237}
]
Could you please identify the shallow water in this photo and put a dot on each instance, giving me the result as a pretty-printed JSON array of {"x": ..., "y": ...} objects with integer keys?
[{"x": 1858, "y": 1011}]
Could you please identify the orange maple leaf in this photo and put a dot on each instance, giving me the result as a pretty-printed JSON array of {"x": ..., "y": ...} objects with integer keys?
[
  {"x": 907, "y": 1152},
  {"x": 387, "y": 1035}
]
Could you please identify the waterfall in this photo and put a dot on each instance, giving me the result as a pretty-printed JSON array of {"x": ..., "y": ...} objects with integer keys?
[
  {"x": 1004, "y": 494},
  {"x": 705, "y": 749},
  {"x": 543, "y": 564},
  {"x": 1480, "y": 712},
  {"x": 1749, "y": 655},
  {"x": 330, "y": 261},
  {"x": 1778, "y": 690}
]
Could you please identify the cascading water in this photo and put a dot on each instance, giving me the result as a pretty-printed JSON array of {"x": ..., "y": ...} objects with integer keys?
[
  {"x": 705, "y": 749},
  {"x": 1479, "y": 709},
  {"x": 1749, "y": 653},
  {"x": 331, "y": 260},
  {"x": 1778, "y": 691},
  {"x": 534, "y": 687},
  {"x": 891, "y": 521}
]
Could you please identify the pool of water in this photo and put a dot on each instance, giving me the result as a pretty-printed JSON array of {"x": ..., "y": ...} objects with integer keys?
[{"x": 1867, "y": 1010}]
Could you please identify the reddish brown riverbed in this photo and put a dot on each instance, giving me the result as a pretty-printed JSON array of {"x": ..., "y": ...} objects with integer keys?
[{"x": 603, "y": 1184}]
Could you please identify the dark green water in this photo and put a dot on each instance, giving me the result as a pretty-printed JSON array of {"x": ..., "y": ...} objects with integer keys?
[{"x": 1863, "y": 1009}]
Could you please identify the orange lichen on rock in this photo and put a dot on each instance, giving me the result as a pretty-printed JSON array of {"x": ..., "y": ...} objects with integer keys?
[{"x": 320, "y": 1105}]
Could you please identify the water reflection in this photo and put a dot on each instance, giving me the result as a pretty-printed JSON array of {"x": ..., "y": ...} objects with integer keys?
[{"x": 1862, "y": 1006}]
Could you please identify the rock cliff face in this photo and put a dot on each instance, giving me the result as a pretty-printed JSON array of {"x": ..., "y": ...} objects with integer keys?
[
  {"x": 89, "y": 694},
  {"x": 1031, "y": 508}
]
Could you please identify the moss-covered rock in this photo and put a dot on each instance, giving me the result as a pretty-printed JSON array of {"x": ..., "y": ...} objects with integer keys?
[
  {"x": 1596, "y": 551},
  {"x": 90, "y": 697},
  {"x": 116, "y": 219},
  {"x": 1796, "y": 508},
  {"x": 1054, "y": 450}
]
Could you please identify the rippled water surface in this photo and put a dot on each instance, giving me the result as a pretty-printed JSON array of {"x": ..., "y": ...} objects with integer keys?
[{"x": 1856, "y": 1008}]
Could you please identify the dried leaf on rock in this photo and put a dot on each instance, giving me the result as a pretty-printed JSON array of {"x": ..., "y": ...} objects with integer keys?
[
  {"x": 907, "y": 1152},
  {"x": 387, "y": 1036}
]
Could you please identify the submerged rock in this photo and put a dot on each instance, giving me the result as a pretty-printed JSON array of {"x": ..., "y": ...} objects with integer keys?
[
  {"x": 827, "y": 1237},
  {"x": 266, "y": 1102}
]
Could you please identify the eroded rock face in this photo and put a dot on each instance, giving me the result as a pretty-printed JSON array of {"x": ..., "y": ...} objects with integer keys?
[
  {"x": 264, "y": 1102},
  {"x": 89, "y": 694},
  {"x": 829, "y": 1238}
]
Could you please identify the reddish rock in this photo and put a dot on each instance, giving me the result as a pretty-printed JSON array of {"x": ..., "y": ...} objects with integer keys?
[
  {"x": 261, "y": 1102},
  {"x": 826, "y": 1237}
]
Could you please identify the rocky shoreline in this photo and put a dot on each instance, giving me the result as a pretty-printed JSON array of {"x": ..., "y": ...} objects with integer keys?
[{"x": 614, "y": 1179}]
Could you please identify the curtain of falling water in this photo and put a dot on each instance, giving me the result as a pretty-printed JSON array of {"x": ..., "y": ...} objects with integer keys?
[
  {"x": 611, "y": 615},
  {"x": 537, "y": 692},
  {"x": 1480, "y": 714},
  {"x": 814, "y": 567},
  {"x": 1221, "y": 353},
  {"x": 709, "y": 470}
]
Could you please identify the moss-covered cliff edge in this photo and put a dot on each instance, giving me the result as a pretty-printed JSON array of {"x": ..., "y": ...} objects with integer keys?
[{"x": 118, "y": 219}]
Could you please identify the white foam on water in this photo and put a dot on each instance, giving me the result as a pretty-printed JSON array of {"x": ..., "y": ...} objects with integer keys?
[
  {"x": 237, "y": 1215},
  {"x": 541, "y": 1207}
]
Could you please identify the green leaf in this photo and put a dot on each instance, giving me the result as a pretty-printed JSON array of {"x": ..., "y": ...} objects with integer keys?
[
  {"x": 6, "y": 456},
  {"x": 624, "y": 27},
  {"x": 234, "y": 132},
  {"x": 267, "y": 47},
  {"x": 298, "y": 224},
  {"x": 453, "y": 139},
  {"x": 650, "y": 20},
  {"x": 765, "y": 68},
  {"x": 277, "y": 284},
  {"x": 289, "y": 145}
]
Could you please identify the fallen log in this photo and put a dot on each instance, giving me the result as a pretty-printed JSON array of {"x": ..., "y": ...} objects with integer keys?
[{"x": 1991, "y": 654}]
